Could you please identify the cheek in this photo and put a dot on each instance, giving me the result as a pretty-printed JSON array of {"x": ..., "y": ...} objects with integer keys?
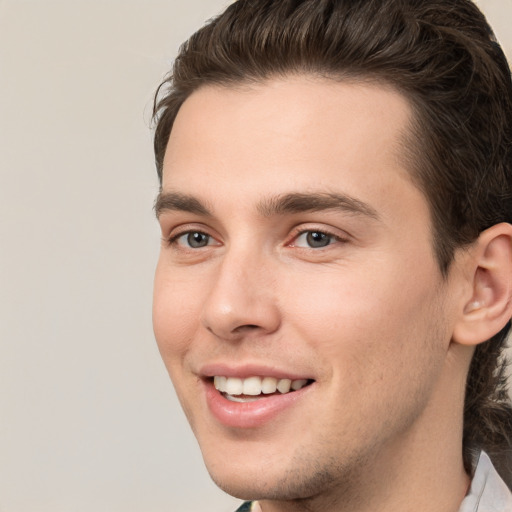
[
  {"x": 363, "y": 318},
  {"x": 176, "y": 312},
  {"x": 175, "y": 320},
  {"x": 377, "y": 345}
]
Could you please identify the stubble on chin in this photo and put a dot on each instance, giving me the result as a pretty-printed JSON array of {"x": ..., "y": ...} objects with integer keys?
[{"x": 308, "y": 482}]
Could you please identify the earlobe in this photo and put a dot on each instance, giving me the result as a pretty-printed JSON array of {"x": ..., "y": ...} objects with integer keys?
[{"x": 490, "y": 271}]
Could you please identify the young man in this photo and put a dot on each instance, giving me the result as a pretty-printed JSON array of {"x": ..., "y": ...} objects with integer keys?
[{"x": 335, "y": 280}]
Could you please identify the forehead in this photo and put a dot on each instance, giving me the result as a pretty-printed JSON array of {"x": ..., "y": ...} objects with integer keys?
[
  {"x": 274, "y": 118},
  {"x": 295, "y": 134}
]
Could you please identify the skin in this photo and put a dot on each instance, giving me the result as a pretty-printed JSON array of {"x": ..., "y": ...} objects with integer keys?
[{"x": 368, "y": 317}]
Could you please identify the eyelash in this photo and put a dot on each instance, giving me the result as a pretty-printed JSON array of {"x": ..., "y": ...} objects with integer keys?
[
  {"x": 323, "y": 232},
  {"x": 173, "y": 240}
]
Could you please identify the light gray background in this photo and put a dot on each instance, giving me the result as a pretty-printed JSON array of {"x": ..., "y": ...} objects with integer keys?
[{"x": 88, "y": 418}]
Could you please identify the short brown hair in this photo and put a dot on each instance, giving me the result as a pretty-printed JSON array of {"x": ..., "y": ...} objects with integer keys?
[{"x": 443, "y": 57}]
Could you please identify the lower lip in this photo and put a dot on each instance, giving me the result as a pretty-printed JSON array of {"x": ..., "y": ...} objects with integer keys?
[{"x": 250, "y": 414}]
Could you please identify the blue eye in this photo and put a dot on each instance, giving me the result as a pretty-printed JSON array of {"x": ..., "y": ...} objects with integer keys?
[
  {"x": 314, "y": 239},
  {"x": 193, "y": 239}
]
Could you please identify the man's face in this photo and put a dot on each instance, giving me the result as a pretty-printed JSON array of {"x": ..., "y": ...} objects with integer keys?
[{"x": 296, "y": 248}]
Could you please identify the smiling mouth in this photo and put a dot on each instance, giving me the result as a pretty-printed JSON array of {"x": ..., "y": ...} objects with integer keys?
[{"x": 254, "y": 388}]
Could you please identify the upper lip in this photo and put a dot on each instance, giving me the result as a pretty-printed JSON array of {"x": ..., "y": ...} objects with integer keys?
[{"x": 243, "y": 371}]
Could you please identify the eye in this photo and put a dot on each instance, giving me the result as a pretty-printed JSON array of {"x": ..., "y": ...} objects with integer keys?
[
  {"x": 192, "y": 239},
  {"x": 314, "y": 239}
]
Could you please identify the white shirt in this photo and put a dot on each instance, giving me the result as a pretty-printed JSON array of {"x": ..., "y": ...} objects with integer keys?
[{"x": 488, "y": 492}]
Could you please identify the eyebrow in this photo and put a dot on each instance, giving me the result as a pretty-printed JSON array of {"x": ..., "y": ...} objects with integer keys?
[
  {"x": 278, "y": 205},
  {"x": 175, "y": 201},
  {"x": 303, "y": 202}
]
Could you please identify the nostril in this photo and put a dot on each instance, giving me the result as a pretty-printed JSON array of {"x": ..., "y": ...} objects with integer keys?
[{"x": 247, "y": 327}]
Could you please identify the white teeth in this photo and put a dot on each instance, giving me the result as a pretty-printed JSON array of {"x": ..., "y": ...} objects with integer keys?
[
  {"x": 234, "y": 386},
  {"x": 219, "y": 382},
  {"x": 298, "y": 384},
  {"x": 240, "y": 400},
  {"x": 254, "y": 386},
  {"x": 283, "y": 386},
  {"x": 269, "y": 385}
]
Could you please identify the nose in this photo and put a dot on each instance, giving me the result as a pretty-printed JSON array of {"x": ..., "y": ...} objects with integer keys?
[{"x": 242, "y": 299}]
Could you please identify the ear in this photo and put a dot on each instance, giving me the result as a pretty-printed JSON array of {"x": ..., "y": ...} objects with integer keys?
[{"x": 490, "y": 274}]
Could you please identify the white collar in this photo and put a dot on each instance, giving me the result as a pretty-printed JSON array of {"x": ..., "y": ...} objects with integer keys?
[{"x": 488, "y": 492}]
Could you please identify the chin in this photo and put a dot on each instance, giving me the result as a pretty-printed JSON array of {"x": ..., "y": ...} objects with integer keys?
[
  {"x": 252, "y": 485},
  {"x": 251, "y": 476}
]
